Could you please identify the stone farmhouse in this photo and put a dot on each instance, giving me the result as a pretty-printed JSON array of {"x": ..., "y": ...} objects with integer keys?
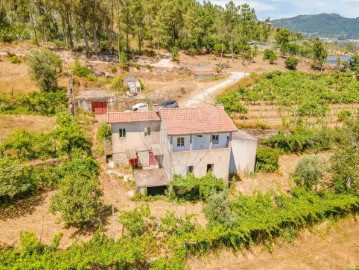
[{"x": 179, "y": 141}]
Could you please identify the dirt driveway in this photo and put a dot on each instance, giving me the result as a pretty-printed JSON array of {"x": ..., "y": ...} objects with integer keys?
[{"x": 208, "y": 95}]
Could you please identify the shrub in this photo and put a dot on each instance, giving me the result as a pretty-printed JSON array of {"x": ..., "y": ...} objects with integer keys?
[
  {"x": 78, "y": 200},
  {"x": 302, "y": 139},
  {"x": 193, "y": 188},
  {"x": 104, "y": 132},
  {"x": 270, "y": 55},
  {"x": 47, "y": 103},
  {"x": 117, "y": 84},
  {"x": 14, "y": 59},
  {"x": 291, "y": 63},
  {"x": 15, "y": 180},
  {"x": 218, "y": 210},
  {"x": 231, "y": 102},
  {"x": 175, "y": 54},
  {"x": 135, "y": 221},
  {"x": 123, "y": 61},
  {"x": 309, "y": 171},
  {"x": 344, "y": 115},
  {"x": 80, "y": 70},
  {"x": 267, "y": 159},
  {"x": 45, "y": 67},
  {"x": 217, "y": 48}
]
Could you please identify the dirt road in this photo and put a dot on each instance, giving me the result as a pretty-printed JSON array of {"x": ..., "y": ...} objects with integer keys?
[{"x": 208, "y": 95}]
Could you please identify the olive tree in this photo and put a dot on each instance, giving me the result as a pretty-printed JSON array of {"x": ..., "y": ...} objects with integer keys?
[
  {"x": 45, "y": 67},
  {"x": 309, "y": 171}
]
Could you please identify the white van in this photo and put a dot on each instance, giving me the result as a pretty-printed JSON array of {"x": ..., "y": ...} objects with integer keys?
[{"x": 140, "y": 107}]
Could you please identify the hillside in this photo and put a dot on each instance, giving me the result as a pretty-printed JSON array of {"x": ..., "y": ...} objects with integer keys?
[{"x": 324, "y": 25}]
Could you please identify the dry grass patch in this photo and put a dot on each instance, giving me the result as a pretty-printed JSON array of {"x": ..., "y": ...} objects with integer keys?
[
  {"x": 32, "y": 123},
  {"x": 15, "y": 79}
]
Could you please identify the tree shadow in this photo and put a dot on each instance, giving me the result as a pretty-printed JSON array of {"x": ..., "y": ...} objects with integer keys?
[
  {"x": 22, "y": 207},
  {"x": 101, "y": 220}
]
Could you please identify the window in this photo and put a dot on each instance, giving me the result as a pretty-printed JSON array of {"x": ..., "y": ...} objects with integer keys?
[
  {"x": 210, "y": 167},
  {"x": 215, "y": 139},
  {"x": 147, "y": 131},
  {"x": 180, "y": 142},
  {"x": 189, "y": 169},
  {"x": 122, "y": 133}
]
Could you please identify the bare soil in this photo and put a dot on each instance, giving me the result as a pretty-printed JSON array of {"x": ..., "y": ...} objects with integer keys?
[{"x": 258, "y": 65}]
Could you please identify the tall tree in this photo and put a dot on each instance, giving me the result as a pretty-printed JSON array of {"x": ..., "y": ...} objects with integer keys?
[{"x": 320, "y": 54}]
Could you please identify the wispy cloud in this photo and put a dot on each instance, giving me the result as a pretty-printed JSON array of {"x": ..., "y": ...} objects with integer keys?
[{"x": 289, "y": 8}]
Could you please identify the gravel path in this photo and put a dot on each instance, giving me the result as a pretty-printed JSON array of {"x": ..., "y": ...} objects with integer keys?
[{"x": 207, "y": 95}]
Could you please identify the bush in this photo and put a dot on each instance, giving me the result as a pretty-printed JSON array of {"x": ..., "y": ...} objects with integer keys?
[
  {"x": 302, "y": 139},
  {"x": 45, "y": 68},
  {"x": 193, "y": 188},
  {"x": 291, "y": 63},
  {"x": 218, "y": 210},
  {"x": 78, "y": 200},
  {"x": 117, "y": 84},
  {"x": 217, "y": 48},
  {"x": 344, "y": 115},
  {"x": 15, "y": 180},
  {"x": 267, "y": 159},
  {"x": 270, "y": 55},
  {"x": 175, "y": 54},
  {"x": 309, "y": 171},
  {"x": 47, "y": 103},
  {"x": 135, "y": 221},
  {"x": 232, "y": 103},
  {"x": 80, "y": 70},
  {"x": 123, "y": 61},
  {"x": 104, "y": 132},
  {"x": 14, "y": 59}
]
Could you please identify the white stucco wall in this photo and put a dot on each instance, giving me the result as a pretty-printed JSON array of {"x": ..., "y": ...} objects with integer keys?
[
  {"x": 179, "y": 161},
  {"x": 135, "y": 137},
  {"x": 187, "y": 143},
  {"x": 243, "y": 155},
  {"x": 220, "y": 158}
]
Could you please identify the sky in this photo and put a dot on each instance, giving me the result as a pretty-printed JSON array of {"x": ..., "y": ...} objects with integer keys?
[{"x": 276, "y": 9}]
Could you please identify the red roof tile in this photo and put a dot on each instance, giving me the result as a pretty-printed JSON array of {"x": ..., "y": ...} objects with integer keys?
[
  {"x": 186, "y": 121},
  {"x": 129, "y": 117}
]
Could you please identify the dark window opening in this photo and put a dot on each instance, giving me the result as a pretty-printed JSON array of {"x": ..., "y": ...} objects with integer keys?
[
  {"x": 156, "y": 191},
  {"x": 210, "y": 167},
  {"x": 215, "y": 139},
  {"x": 180, "y": 142},
  {"x": 189, "y": 169},
  {"x": 122, "y": 133},
  {"x": 147, "y": 131}
]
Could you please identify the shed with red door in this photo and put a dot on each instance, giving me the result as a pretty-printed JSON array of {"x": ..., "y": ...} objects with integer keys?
[{"x": 96, "y": 101}]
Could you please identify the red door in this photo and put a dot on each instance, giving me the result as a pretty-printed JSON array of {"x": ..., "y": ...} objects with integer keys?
[{"x": 99, "y": 107}]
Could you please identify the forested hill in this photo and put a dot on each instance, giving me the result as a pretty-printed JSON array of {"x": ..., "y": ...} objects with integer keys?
[
  {"x": 322, "y": 25},
  {"x": 132, "y": 24}
]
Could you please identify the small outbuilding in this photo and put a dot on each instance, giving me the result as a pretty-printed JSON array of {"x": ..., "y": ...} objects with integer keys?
[
  {"x": 243, "y": 153},
  {"x": 204, "y": 72},
  {"x": 151, "y": 182},
  {"x": 96, "y": 101},
  {"x": 133, "y": 84}
]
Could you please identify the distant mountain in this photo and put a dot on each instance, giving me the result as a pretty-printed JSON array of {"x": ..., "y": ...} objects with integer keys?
[{"x": 322, "y": 25}]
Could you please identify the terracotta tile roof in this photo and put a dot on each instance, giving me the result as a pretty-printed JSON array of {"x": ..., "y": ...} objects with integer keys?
[
  {"x": 186, "y": 121},
  {"x": 129, "y": 117}
]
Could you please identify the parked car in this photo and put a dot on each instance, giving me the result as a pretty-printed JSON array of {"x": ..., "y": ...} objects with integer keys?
[
  {"x": 169, "y": 104},
  {"x": 140, "y": 107}
]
